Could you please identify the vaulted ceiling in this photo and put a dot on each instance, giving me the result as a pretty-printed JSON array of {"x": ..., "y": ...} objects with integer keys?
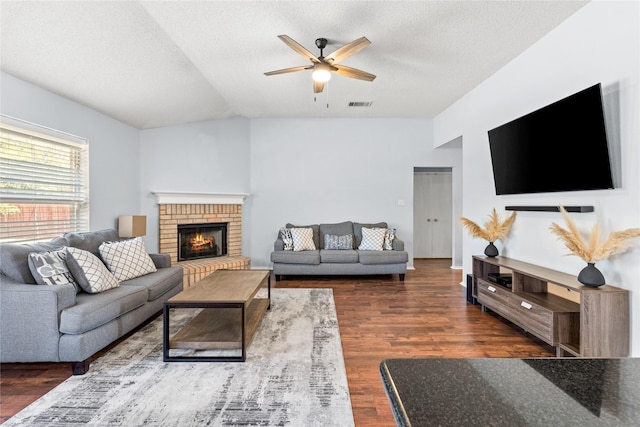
[{"x": 152, "y": 64}]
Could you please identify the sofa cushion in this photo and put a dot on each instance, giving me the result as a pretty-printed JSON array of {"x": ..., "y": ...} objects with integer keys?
[
  {"x": 50, "y": 268},
  {"x": 90, "y": 273},
  {"x": 314, "y": 227},
  {"x": 91, "y": 240},
  {"x": 372, "y": 239},
  {"x": 127, "y": 259},
  {"x": 382, "y": 257},
  {"x": 337, "y": 229},
  {"x": 14, "y": 258},
  {"x": 339, "y": 257},
  {"x": 292, "y": 257},
  {"x": 357, "y": 231},
  {"x": 303, "y": 239},
  {"x": 93, "y": 310},
  {"x": 161, "y": 260},
  {"x": 158, "y": 283}
]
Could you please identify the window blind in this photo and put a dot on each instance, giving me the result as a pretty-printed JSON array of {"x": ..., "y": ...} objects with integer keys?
[{"x": 44, "y": 182}]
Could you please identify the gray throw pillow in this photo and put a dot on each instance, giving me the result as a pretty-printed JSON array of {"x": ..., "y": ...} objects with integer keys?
[
  {"x": 50, "y": 268},
  {"x": 388, "y": 239},
  {"x": 287, "y": 239},
  {"x": 333, "y": 242}
]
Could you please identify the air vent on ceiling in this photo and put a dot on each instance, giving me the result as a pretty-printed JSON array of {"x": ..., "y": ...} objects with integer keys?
[{"x": 360, "y": 104}]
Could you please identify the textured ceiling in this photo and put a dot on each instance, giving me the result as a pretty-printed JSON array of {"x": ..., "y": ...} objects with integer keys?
[{"x": 153, "y": 64}]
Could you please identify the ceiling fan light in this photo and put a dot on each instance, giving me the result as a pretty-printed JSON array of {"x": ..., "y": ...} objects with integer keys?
[{"x": 321, "y": 74}]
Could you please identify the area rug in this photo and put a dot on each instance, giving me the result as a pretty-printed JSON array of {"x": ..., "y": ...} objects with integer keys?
[{"x": 294, "y": 375}]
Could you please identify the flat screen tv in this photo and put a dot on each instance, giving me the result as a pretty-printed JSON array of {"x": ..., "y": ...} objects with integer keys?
[{"x": 560, "y": 147}]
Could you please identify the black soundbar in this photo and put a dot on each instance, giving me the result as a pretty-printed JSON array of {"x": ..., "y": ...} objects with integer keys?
[{"x": 550, "y": 208}]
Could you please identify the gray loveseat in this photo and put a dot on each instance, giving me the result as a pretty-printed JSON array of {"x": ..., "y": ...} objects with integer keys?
[
  {"x": 350, "y": 261},
  {"x": 55, "y": 323}
]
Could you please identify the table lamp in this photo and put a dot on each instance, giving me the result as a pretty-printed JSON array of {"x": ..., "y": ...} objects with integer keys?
[{"x": 132, "y": 225}]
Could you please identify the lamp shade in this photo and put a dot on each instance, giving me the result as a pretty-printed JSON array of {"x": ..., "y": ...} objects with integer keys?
[
  {"x": 132, "y": 225},
  {"x": 321, "y": 73}
]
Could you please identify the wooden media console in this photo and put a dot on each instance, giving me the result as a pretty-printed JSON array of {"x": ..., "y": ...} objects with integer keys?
[{"x": 577, "y": 320}]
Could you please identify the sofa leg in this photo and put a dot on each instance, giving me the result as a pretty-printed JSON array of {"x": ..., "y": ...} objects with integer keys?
[
  {"x": 80, "y": 368},
  {"x": 278, "y": 277},
  {"x": 402, "y": 277}
]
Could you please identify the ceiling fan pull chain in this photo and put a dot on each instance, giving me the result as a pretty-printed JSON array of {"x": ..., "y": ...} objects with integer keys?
[{"x": 327, "y": 94}]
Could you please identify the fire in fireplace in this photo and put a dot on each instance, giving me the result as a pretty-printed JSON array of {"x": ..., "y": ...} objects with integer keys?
[{"x": 202, "y": 240}]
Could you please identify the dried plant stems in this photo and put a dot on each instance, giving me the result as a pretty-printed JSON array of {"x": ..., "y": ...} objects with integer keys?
[
  {"x": 592, "y": 250},
  {"x": 494, "y": 229}
]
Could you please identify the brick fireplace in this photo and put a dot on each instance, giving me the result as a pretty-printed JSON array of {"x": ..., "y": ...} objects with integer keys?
[{"x": 198, "y": 208}]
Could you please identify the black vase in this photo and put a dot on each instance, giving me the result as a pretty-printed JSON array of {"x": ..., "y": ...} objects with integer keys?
[
  {"x": 491, "y": 250},
  {"x": 590, "y": 276}
]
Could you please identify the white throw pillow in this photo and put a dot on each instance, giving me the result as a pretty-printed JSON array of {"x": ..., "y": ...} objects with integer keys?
[
  {"x": 303, "y": 239},
  {"x": 90, "y": 273},
  {"x": 372, "y": 239},
  {"x": 127, "y": 259}
]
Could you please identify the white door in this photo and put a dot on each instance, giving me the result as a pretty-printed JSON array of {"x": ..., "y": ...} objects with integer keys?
[{"x": 432, "y": 204}]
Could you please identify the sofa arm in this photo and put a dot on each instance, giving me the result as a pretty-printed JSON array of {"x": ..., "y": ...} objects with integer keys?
[
  {"x": 161, "y": 260},
  {"x": 29, "y": 320},
  {"x": 278, "y": 245},
  {"x": 397, "y": 244}
]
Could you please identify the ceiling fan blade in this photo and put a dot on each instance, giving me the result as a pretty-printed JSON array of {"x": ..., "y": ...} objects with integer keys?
[
  {"x": 318, "y": 86},
  {"x": 354, "y": 73},
  {"x": 348, "y": 49},
  {"x": 288, "y": 70},
  {"x": 301, "y": 50}
]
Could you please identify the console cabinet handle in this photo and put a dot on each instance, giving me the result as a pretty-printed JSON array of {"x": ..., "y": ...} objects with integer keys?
[
  {"x": 526, "y": 305},
  {"x": 491, "y": 289}
]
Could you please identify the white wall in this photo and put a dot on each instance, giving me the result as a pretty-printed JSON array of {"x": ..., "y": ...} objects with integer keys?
[
  {"x": 206, "y": 157},
  {"x": 113, "y": 146},
  {"x": 294, "y": 172},
  {"x": 308, "y": 171},
  {"x": 600, "y": 43}
]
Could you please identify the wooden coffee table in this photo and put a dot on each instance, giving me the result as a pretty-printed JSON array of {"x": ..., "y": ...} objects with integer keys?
[{"x": 229, "y": 319}]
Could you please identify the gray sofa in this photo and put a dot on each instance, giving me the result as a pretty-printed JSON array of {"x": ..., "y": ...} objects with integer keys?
[
  {"x": 353, "y": 261},
  {"x": 55, "y": 323}
]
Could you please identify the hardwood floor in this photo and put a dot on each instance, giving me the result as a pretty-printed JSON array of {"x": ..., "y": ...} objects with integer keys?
[{"x": 379, "y": 317}]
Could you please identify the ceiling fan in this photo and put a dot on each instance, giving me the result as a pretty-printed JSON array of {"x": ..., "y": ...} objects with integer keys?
[{"x": 323, "y": 66}]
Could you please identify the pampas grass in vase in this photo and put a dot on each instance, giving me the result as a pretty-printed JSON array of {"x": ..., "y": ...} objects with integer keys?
[
  {"x": 494, "y": 229},
  {"x": 592, "y": 249}
]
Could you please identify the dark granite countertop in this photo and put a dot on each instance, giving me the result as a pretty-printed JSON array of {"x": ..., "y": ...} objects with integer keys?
[{"x": 513, "y": 392}]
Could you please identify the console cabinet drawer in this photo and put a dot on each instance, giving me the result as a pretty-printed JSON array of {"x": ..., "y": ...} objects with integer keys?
[
  {"x": 494, "y": 297},
  {"x": 533, "y": 318},
  {"x": 521, "y": 311}
]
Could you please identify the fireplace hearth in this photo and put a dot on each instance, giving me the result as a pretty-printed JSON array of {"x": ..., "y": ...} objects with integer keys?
[{"x": 207, "y": 240}]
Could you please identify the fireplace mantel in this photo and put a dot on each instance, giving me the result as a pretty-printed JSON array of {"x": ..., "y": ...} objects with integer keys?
[{"x": 191, "y": 198}]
